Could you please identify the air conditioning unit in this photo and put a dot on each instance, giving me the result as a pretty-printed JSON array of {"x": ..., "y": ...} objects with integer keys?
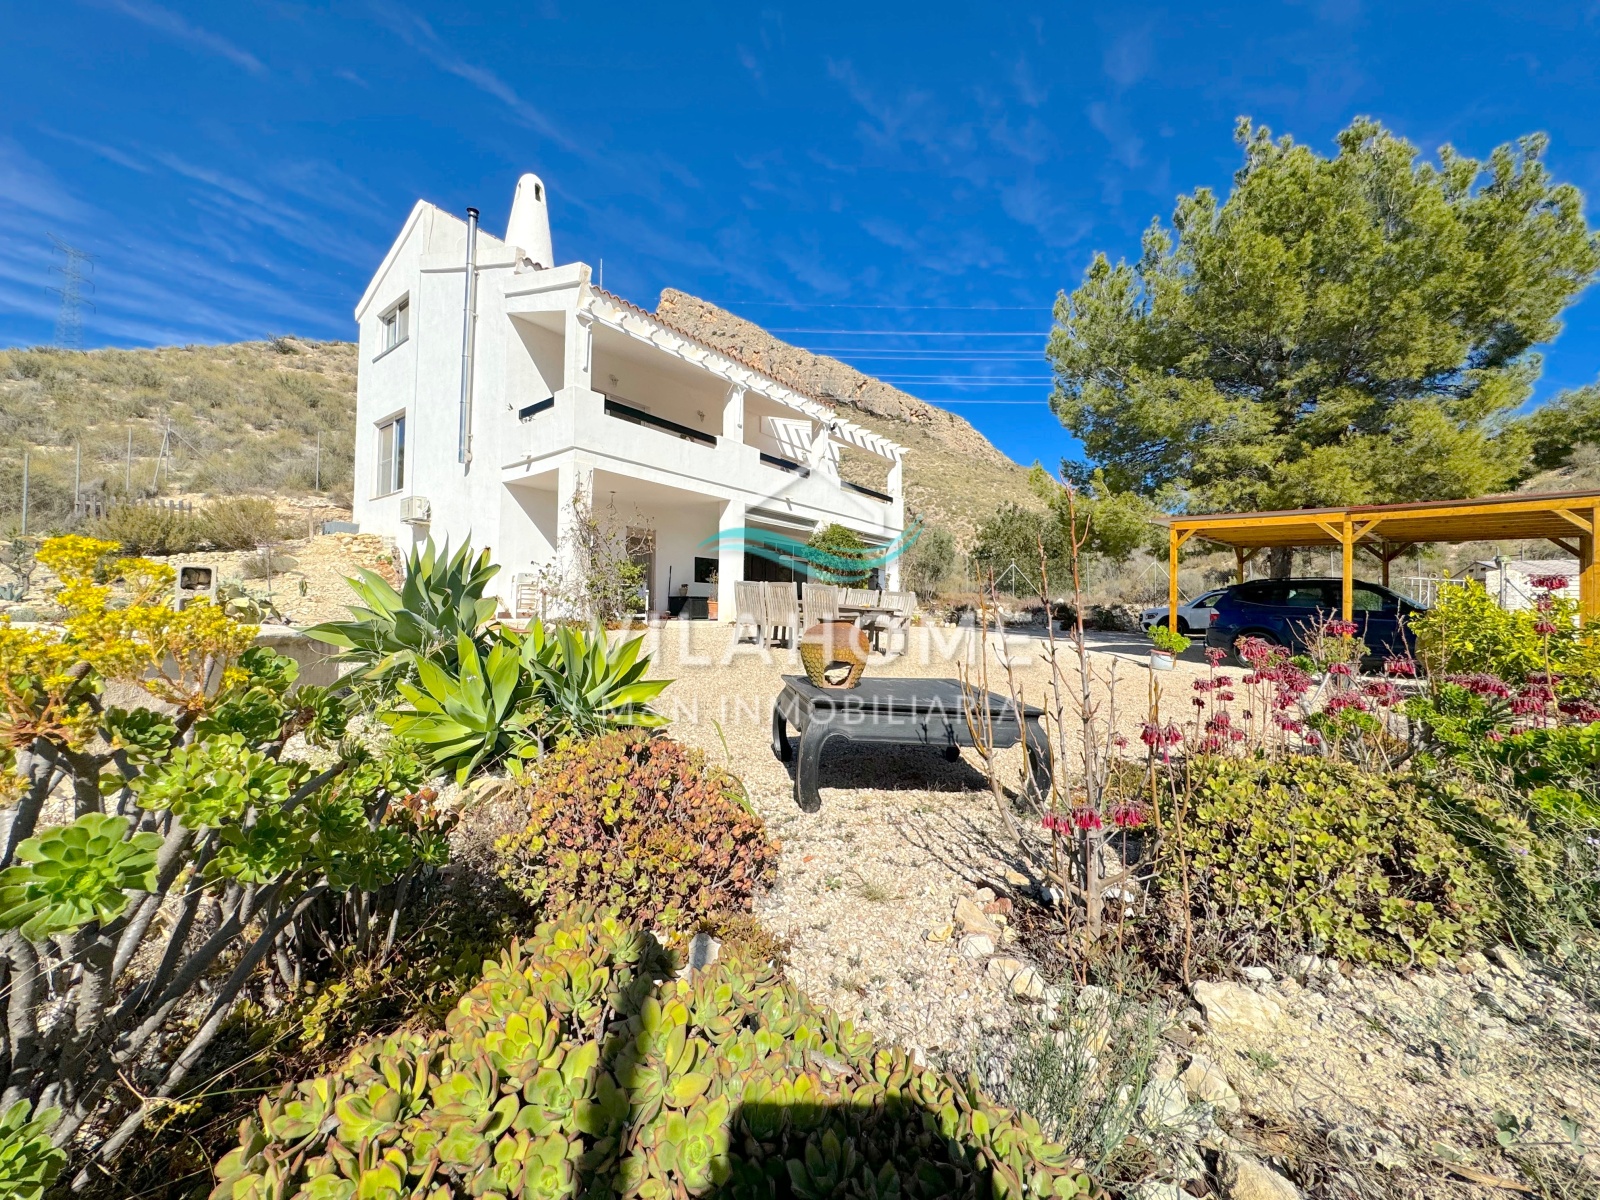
[{"x": 414, "y": 510}]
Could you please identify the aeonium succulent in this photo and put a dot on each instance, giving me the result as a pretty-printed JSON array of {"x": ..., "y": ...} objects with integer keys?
[{"x": 75, "y": 874}]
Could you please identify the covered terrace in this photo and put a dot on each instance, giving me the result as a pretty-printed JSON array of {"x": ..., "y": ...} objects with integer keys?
[{"x": 1386, "y": 531}]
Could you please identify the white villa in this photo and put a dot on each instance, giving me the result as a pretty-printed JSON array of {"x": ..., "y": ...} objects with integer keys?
[{"x": 494, "y": 386}]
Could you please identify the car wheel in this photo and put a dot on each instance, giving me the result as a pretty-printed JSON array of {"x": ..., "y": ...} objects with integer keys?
[
  {"x": 1259, "y": 635},
  {"x": 1161, "y": 623},
  {"x": 1183, "y": 627}
]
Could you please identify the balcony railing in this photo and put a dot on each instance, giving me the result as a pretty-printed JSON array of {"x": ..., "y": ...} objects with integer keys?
[
  {"x": 866, "y": 491},
  {"x": 637, "y": 416},
  {"x": 785, "y": 464}
]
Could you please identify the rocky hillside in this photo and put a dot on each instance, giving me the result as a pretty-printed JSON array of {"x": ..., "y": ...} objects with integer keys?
[
  {"x": 954, "y": 476},
  {"x": 236, "y": 418}
]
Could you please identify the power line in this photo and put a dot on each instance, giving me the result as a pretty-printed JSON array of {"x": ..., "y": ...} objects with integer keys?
[
  {"x": 901, "y": 307},
  {"x": 74, "y": 277},
  {"x": 1030, "y": 333}
]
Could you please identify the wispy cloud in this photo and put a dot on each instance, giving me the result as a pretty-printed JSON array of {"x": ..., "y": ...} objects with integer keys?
[
  {"x": 1029, "y": 90},
  {"x": 417, "y": 33},
  {"x": 1127, "y": 147},
  {"x": 110, "y": 153},
  {"x": 176, "y": 26},
  {"x": 1129, "y": 56}
]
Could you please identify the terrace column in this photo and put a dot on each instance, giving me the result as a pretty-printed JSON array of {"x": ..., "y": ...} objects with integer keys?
[
  {"x": 730, "y": 557},
  {"x": 579, "y": 361},
  {"x": 733, "y": 415},
  {"x": 897, "y": 517}
]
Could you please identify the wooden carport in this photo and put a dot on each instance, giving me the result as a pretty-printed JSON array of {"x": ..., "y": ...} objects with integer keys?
[{"x": 1385, "y": 531}]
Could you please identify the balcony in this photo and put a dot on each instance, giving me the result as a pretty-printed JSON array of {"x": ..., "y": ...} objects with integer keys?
[{"x": 636, "y": 416}]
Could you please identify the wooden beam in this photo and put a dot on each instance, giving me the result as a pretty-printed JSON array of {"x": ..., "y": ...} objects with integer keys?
[
  {"x": 1584, "y": 524},
  {"x": 1238, "y": 565},
  {"x": 1569, "y": 546},
  {"x": 1347, "y": 543},
  {"x": 1174, "y": 543},
  {"x": 1588, "y": 572}
]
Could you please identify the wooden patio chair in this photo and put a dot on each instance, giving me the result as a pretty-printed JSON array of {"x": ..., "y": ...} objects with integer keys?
[
  {"x": 781, "y": 611},
  {"x": 894, "y": 628},
  {"x": 750, "y": 611},
  {"x": 819, "y": 602}
]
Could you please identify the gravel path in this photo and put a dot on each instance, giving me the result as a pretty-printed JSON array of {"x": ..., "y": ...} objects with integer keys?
[{"x": 867, "y": 886}]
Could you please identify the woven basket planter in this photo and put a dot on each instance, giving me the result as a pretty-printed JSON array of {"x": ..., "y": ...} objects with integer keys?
[{"x": 834, "y": 653}]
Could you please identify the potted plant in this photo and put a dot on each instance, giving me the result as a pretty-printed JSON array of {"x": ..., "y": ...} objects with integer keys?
[
  {"x": 711, "y": 602},
  {"x": 1167, "y": 645}
]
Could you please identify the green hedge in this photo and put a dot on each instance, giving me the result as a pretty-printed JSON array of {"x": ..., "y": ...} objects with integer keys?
[
  {"x": 570, "y": 1070},
  {"x": 1317, "y": 853}
]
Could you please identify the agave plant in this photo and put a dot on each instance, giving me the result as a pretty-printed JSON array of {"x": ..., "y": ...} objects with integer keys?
[
  {"x": 587, "y": 685},
  {"x": 476, "y": 715},
  {"x": 74, "y": 874},
  {"x": 28, "y": 1161},
  {"x": 391, "y": 632}
]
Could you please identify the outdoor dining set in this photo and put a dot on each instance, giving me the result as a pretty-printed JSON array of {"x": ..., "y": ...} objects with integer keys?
[{"x": 772, "y": 612}]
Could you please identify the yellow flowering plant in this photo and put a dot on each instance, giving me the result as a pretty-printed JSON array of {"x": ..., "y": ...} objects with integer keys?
[{"x": 180, "y": 808}]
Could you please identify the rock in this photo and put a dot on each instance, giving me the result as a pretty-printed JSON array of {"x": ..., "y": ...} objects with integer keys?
[
  {"x": 1027, "y": 984},
  {"x": 1509, "y": 959},
  {"x": 970, "y": 918},
  {"x": 1163, "y": 1104},
  {"x": 1153, "y": 1189},
  {"x": 1017, "y": 879},
  {"x": 1001, "y": 970},
  {"x": 1474, "y": 961},
  {"x": 942, "y": 934},
  {"x": 1305, "y": 965},
  {"x": 1255, "y": 974},
  {"x": 977, "y": 945},
  {"x": 1207, "y": 1082},
  {"x": 1244, "y": 1178},
  {"x": 703, "y": 951},
  {"x": 1234, "y": 1008}
]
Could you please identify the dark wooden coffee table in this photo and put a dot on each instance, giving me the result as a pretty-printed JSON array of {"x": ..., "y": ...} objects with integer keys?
[{"x": 900, "y": 712}]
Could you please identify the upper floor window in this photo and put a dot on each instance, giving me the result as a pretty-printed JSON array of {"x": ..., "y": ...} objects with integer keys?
[
  {"x": 396, "y": 325},
  {"x": 391, "y": 455}
]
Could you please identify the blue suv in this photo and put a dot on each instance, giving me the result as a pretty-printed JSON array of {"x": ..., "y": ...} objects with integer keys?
[{"x": 1282, "y": 611}]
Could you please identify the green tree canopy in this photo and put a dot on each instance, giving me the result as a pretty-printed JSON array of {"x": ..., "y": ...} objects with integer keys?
[
  {"x": 1558, "y": 428},
  {"x": 1341, "y": 330}
]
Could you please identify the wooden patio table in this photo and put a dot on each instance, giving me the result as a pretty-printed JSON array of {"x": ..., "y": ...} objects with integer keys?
[{"x": 900, "y": 712}]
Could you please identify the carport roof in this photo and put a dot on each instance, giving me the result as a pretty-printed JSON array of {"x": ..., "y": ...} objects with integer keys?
[{"x": 1558, "y": 516}]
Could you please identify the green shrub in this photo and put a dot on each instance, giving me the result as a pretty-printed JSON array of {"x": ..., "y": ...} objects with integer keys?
[
  {"x": 841, "y": 557},
  {"x": 1315, "y": 852},
  {"x": 639, "y": 822},
  {"x": 570, "y": 1070},
  {"x": 240, "y": 523},
  {"x": 1467, "y": 632},
  {"x": 150, "y": 529}
]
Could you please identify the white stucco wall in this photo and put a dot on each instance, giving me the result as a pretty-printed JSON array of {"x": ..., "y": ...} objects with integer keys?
[{"x": 533, "y": 342}]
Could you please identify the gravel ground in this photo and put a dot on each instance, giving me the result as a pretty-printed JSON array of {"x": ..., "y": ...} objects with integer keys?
[{"x": 867, "y": 886}]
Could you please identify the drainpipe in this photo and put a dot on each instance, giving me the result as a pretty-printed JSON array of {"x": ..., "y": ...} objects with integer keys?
[{"x": 469, "y": 327}]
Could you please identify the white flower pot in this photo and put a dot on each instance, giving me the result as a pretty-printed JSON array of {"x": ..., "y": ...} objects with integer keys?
[{"x": 1162, "y": 660}]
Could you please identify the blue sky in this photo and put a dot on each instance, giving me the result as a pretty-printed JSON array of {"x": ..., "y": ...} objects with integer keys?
[{"x": 907, "y": 186}]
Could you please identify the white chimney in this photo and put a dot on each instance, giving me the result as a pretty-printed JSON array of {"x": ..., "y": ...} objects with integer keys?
[{"x": 529, "y": 226}]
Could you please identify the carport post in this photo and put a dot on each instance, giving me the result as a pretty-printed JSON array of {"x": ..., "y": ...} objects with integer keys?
[
  {"x": 1588, "y": 571},
  {"x": 1172, "y": 577},
  {"x": 1238, "y": 565},
  {"x": 1347, "y": 553}
]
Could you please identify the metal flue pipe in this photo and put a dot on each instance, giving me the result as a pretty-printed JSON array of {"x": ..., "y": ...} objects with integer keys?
[{"x": 469, "y": 328}]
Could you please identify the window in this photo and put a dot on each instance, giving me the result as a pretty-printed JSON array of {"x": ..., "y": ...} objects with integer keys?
[
  {"x": 1370, "y": 599},
  {"x": 396, "y": 324},
  {"x": 391, "y": 455},
  {"x": 1309, "y": 595}
]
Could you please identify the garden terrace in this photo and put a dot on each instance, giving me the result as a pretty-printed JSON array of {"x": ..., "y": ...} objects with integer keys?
[{"x": 1385, "y": 531}]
